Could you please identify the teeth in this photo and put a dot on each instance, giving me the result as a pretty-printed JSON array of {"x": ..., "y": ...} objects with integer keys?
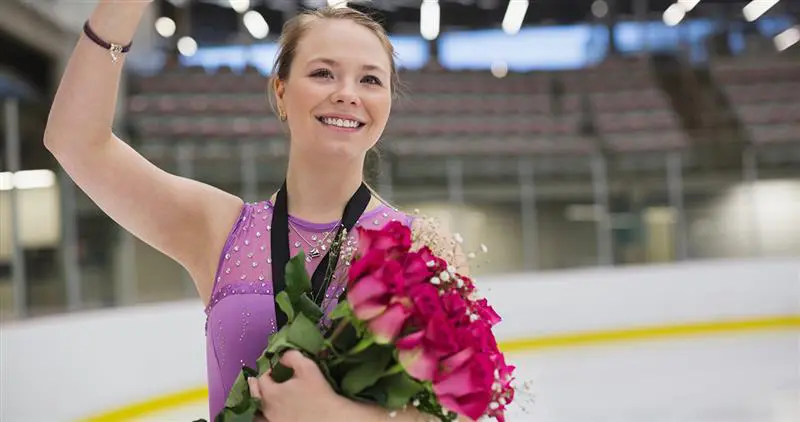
[{"x": 340, "y": 122}]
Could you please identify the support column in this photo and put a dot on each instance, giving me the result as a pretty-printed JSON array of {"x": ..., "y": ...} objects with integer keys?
[
  {"x": 12, "y": 151},
  {"x": 528, "y": 214}
]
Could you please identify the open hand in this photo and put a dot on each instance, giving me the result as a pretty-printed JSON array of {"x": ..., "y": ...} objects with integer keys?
[{"x": 306, "y": 397}]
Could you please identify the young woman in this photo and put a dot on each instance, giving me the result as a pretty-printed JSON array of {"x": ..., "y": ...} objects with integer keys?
[{"x": 332, "y": 86}]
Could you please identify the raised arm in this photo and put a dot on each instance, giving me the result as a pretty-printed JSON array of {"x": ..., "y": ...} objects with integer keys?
[{"x": 184, "y": 219}]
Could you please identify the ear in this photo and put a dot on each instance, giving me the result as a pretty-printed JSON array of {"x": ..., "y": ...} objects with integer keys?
[{"x": 280, "y": 88}]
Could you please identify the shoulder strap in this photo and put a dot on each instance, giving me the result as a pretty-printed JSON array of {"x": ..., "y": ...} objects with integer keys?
[{"x": 279, "y": 239}]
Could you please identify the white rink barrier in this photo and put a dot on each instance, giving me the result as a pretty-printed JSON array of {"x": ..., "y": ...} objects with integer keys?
[{"x": 69, "y": 367}]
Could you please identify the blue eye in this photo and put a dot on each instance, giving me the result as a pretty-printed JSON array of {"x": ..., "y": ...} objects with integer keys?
[
  {"x": 373, "y": 80},
  {"x": 321, "y": 73}
]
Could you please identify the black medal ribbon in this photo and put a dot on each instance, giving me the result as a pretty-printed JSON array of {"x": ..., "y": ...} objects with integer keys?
[{"x": 279, "y": 242}]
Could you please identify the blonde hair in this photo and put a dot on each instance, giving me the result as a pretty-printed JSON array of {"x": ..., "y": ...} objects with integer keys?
[{"x": 295, "y": 28}]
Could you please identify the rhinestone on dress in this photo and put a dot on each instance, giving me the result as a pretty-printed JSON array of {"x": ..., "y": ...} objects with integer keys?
[{"x": 297, "y": 244}]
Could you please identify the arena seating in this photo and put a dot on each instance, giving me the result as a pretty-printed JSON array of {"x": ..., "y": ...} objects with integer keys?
[
  {"x": 439, "y": 112},
  {"x": 766, "y": 97}
]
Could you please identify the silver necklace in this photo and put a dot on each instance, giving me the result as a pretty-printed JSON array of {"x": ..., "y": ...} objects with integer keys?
[{"x": 314, "y": 252}]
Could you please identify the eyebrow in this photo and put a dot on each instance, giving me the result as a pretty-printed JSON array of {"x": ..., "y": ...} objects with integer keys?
[{"x": 333, "y": 63}]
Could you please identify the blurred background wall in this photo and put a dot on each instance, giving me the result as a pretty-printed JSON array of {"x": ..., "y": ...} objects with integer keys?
[
  {"x": 628, "y": 164},
  {"x": 559, "y": 134}
]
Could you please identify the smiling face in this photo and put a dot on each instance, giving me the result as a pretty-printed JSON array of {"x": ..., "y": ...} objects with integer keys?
[{"x": 337, "y": 95}]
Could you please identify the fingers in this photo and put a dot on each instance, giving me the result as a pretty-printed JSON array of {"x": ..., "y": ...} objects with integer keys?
[
  {"x": 255, "y": 390},
  {"x": 267, "y": 387},
  {"x": 296, "y": 360},
  {"x": 293, "y": 359}
]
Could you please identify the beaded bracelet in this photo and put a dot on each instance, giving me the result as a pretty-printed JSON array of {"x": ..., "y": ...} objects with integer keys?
[{"x": 114, "y": 49}]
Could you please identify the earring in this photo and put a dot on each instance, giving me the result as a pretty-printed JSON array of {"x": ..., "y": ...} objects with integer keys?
[{"x": 281, "y": 114}]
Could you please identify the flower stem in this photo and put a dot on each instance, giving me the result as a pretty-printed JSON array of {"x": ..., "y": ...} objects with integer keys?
[
  {"x": 396, "y": 369},
  {"x": 339, "y": 329}
]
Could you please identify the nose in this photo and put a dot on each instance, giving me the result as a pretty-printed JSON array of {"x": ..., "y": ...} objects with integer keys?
[{"x": 346, "y": 94}]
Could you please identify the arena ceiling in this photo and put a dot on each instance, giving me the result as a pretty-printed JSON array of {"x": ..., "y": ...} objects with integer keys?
[{"x": 213, "y": 21}]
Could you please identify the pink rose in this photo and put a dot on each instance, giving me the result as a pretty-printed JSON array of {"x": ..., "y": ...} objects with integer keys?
[
  {"x": 420, "y": 352},
  {"x": 386, "y": 326},
  {"x": 486, "y": 312},
  {"x": 468, "y": 286},
  {"x": 427, "y": 303},
  {"x": 394, "y": 238},
  {"x": 506, "y": 392},
  {"x": 465, "y": 383},
  {"x": 379, "y": 299},
  {"x": 419, "y": 362},
  {"x": 479, "y": 336},
  {"x": 366, "y": 264},
  {"x": 456, "y": 308},
  {"x": 415, "y": 268},
  {"x": 427, "y": 254}
]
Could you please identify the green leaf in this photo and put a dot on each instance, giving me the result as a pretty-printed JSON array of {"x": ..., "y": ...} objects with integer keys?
[
  {"x": 279, "y": 340},
  {"x": 263, "y": 364},
  {"x": 304, "y": 305},
  {"x": 362, "y": 345},
  {"x": 244, "y": 412},
  {"x": 305, "y": 335},
  {"x": 366, "y": 373},
  {"x": 297, "y": 281},
  {"x": 280, "y": 373},
  {"x": 399, "y": 388},
  {"x": 285, "y": 304},
  {"x": 376, "y": 395},
  {"x": 396, "y": 369},
  {"x": 346, "y": 340},
  {"x": 240, "y": 391},
  {"x": 326, "y": 371},
  {"x": 342, "y": 310}
]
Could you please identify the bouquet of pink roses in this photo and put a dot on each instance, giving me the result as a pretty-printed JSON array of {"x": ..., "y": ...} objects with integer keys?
[{"x": 410, "y": 331}]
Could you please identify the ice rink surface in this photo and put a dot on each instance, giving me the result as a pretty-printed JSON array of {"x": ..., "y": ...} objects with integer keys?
[{"x": 734, "y": 378}]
